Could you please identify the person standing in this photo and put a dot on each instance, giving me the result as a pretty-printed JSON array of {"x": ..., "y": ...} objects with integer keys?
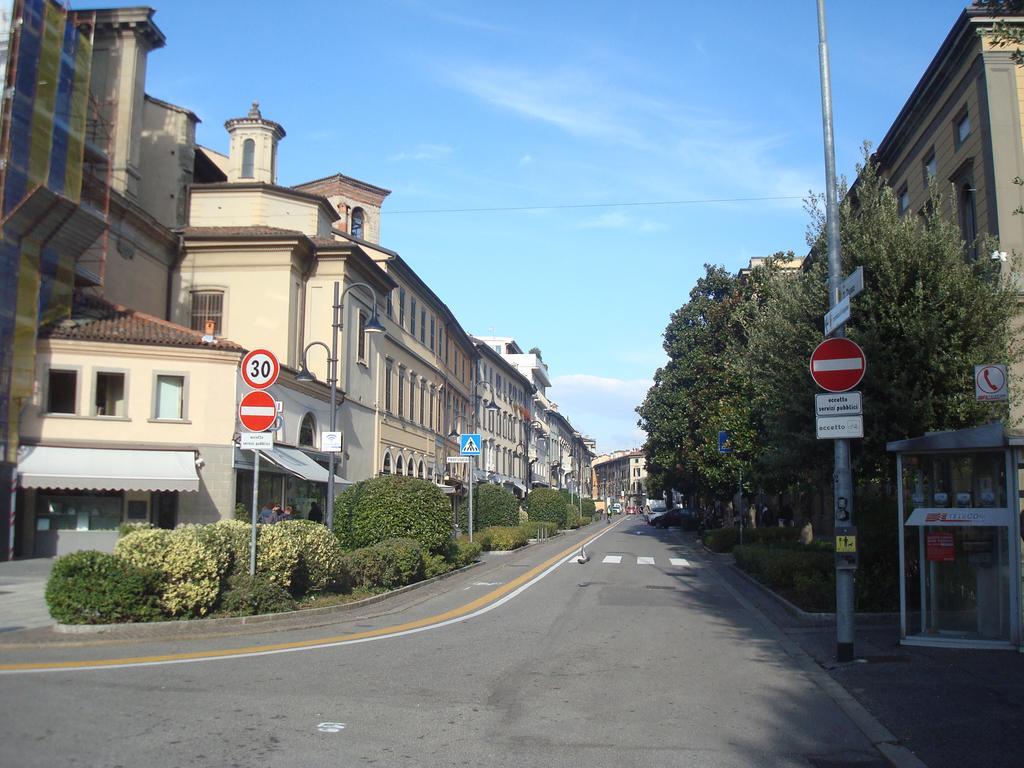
[
  {"x": 315, "y": 513},
  {"x": 266, "y": 515}
]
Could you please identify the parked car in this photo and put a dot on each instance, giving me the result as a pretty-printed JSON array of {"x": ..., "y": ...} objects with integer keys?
[
  {"x": 677, "y": 516},
  {"x": 616, "y": 508},
  {"x": 654, "y": 509}
]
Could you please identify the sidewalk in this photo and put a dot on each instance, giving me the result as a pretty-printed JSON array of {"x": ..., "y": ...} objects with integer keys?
[
  {"x": 22, "y": 590},
  {"x": 951, "y": 708}
]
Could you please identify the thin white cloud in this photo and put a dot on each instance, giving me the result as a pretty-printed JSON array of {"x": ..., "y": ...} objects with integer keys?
[
  {"x": 602, "y": 407},
  {"x": 423, "y": 152}
]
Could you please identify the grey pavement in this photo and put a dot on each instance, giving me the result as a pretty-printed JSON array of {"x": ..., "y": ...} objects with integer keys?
[{"x": 22, "y": 590}]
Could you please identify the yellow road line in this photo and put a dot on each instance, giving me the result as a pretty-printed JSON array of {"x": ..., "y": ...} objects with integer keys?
[{"x": 454, "y": 613}]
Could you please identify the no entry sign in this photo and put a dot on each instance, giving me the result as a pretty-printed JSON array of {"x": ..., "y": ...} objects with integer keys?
[
  {"x": 257, "y": 411},
  {"x": 837, "y": 365}
]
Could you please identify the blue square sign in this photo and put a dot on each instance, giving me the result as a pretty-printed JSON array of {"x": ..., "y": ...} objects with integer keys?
[
  {"x": 724, "y": 446},
  {"x": 469, "y": 444}
]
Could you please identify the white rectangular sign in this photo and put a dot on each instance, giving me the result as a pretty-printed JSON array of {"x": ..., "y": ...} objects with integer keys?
[
  {"x": 253, "y": 441},
  {"x": 458, "y": 459},
  {"x": 838, "y": 404},
  {"x": 330, "y": 442},
  {"x": 840, "y": 427},
  {"x": 853, "y": 284},
  {"x": 838, "y": 315}
]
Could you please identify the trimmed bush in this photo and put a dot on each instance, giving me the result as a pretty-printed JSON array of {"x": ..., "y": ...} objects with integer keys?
[
  {"x": 463, "y": 552},
  {"x": 725, "y": 539},
  {"x": 279, "y": 557},
  {"x": 802, "y": 574},
  {"x": 492, "y": 506},
  {"x": 390, "y": 507},
  {"x": 540, "y": 529},
  {"x": 388, "y": 564},
  {"x": 229, "y": 539},
  {"x": 435, "y": 565},
  {"x": 572, "y": 516},
  {"x": 125, "y": 528},
  {"x": 320, "y": 551},
  {"x": 190, "y": 569},
  {"x": 252, "y": 595},
  {"x": 505, "y": 538},
  {"x": 589, "y": 508},
  {"x": 586, "y": 520},
  {"x": 99, "y": 588},
  {"x": 546, "y": 504}
]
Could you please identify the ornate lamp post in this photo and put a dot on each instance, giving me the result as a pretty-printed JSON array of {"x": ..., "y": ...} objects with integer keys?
[{"x": 373, "y": 325}]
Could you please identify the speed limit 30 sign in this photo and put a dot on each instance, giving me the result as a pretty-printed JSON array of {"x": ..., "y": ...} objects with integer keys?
[{"x": 260, "y": 368}]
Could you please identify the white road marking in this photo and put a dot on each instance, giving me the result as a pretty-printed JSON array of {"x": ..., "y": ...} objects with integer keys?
[
  {"x": 679, "y": 561},
  {"x": 330, "y": 727},
  {"x": 645, "y": 561},
  {"x": 483, "y": 584},
  {"x": 612, "y": 559}
]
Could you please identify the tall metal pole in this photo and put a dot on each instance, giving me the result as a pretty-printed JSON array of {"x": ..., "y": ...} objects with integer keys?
[
  {"x": 255, "y": 512},
  {"x": 472, "y": 469},
  {"x": 843, "y": 480},
  {"x": 332, "y": 371}
]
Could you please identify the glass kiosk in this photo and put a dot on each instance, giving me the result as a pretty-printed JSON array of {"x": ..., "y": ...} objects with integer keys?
[{"x": 960, "y": 538}]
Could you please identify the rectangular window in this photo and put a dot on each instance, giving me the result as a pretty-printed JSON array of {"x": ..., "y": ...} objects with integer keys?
[
  {"x": 963, "y": 129},
  {"x": 412, "y": 317},
  {"x": 109, "y": 394},
  {"x": 423, "y": 326},
  {"x": 928, "y": 167},
  {"x": 401, "y": 392},
  {"x": 389, "y": 307},
  {"x": 432, "y": 425},
  {"x": 361, "y": 342},
  {"x": 208, "y": 306},
  {"x": 431, "y": 333},
  {"x": 387, "y": 389},
  {"x": 62, "y": 392},
  {"x": 423, "y": 396},
  {"x": 169, "y": 402},
  {"x": 412, "y": 397},
  {"x": 903, "y": 200},
  {"x": 401, "y": 307}
]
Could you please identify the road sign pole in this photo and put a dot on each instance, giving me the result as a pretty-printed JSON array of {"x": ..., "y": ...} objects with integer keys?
[
  {"x": 842, "y": 500},
  {"x": 472, "y": 470},
  {"x": 255, "y": 510}
]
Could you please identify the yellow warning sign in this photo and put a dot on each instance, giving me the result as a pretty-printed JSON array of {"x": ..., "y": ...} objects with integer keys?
[{"x": 846, "y": 543}]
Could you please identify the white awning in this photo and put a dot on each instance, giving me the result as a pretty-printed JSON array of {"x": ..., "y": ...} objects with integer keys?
[
  {"x": 294, "y": 462},
  {"x": 103, "y": 469}
]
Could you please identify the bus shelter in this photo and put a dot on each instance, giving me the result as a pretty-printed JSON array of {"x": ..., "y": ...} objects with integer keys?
[{"x": 960, "y": 538}]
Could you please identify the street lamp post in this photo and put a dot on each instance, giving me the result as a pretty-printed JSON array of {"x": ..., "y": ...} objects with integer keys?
[{"x": 372, "y": 326}]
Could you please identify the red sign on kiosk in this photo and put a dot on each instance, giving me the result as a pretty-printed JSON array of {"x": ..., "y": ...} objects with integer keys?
[
  {"x": 838, "y": 365},
  {"x": 939, "y": 547}
]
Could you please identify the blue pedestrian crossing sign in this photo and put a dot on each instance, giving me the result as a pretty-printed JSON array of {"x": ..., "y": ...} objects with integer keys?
[
  {"x": 724, "y": 446},
  {"x": 469, "y": 444}
]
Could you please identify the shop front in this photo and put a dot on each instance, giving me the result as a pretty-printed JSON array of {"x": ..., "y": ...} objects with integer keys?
[
  {"x": 960, "y": 538},
  {"x": 287, "y": 476}
]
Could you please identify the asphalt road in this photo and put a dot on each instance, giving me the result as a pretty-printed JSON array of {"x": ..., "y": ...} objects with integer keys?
[{"x": 641, "y": 662}]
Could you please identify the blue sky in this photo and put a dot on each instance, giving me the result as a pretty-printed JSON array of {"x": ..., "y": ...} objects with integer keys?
[{"x": 550, "y": 112}]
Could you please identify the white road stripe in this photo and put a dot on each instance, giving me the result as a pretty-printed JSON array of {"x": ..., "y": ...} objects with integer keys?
[
  {"x": 645, "y": 561},
  {"x": 839, "y": 364},
  {"x": 679, "y": 561},
  {"x": 612, "y": 559}
]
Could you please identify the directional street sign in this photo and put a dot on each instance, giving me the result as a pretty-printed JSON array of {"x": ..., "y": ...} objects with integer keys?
[
  {"x": 724, "y": 446},
  {"x": 257, "y": 411},
  {"x": 838, "y": 365},
  {"x": 260, "y": 368},
  {"x": 853, "y": 284},
  {"x": 469, "y": 444},
  {"x": 457, "y": 459},
  {"x": 838, "y": 315}
]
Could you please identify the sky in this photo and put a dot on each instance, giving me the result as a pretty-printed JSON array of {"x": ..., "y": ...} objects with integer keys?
[{"x": 560, "y": 172}]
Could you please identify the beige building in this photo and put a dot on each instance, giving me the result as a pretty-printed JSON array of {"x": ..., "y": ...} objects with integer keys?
[
  {"x": 503, "y": 417},
  {"x": 621, "y": 477}
]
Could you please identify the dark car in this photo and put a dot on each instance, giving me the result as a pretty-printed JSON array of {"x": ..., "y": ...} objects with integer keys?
[{"x": 677, "y": 517}]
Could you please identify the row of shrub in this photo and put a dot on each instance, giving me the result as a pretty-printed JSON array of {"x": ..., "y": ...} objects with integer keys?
[
  {"x": 725, "y": 539},
  {"x": 804, "y": 574}
]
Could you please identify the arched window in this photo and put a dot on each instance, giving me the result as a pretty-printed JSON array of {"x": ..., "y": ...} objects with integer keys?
[
  {"x": 248, "y": 158},
  {"x": 399, "y": 466},
  {"x": 387, "y": 464},
  {"x": 421, "y": 474},
  {"x": 357, "y": 223},
  {"x": 410, "y": 468},
  {"x": 307, "y": 431}
]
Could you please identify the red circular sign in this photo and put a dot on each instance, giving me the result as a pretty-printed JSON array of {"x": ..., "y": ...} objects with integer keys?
[
  {"x": 838, "y": 365},
  {"x": 257, "y": 411},
  {"x": 260, "y": 368}
]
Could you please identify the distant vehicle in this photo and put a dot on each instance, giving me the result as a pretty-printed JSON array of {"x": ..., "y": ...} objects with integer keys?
[
  {"x": 616, "y": 508},
  {"x": 677, "y": 516}
]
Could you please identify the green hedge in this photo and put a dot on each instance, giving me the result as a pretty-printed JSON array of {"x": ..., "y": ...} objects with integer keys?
[
  {"x": 191, "y": 569},
  {"x": 321, "y": 563},
  {"x": 390, "y": 507},
  {"x": 99, "y": 588},
  {"x": 803, "y": 574},
  {"x": 386, "y": 565},
  {"x": 540, "y": 529},
  {"x": 546, "y": 504},
  {"x": 492, "y": 506},
  {"x": 502, "y": 538},
  {"x": 724, "y": 539},
  {"x": 589, "y": 508},
  {"x": 253, "y": 595}
]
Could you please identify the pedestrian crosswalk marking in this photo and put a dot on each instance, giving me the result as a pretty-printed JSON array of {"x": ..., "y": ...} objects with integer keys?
[
  {"x": 679, "y": 561},
  {"x": 645, "y": 561},
  {"x": 612, "y": 559}
]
